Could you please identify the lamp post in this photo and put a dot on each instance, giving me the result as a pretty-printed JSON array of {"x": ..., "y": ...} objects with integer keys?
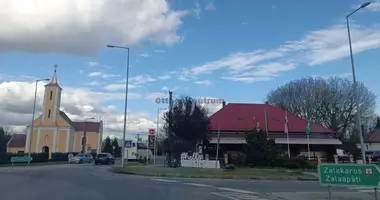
[
  {"x": 84, "y": 139},
  {"x": 126, "y": 102},
  {"x": 155, "y": 135},
  {"x": 356, "y": 96},
  {"x": 34, "y": 112}
]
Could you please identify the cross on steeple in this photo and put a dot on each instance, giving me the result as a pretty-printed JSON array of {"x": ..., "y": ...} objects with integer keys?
[{"x": 55, "y": 67}]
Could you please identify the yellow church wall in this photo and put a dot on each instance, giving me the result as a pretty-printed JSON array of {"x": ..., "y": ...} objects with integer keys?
[
  {"x": 15, "y": 149},
  {"x": 49, "y": 105},
  {"x": 46, "y": 139},
  {"x": 38, "y": 121},
  {"x": 92, "y": 140},
  {"x": 62, "y": 141},
  {"x": 61, "y": 121},
  {"x": 34, "y": 140}
]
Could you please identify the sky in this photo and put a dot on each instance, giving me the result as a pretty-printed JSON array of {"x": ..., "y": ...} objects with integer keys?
[{"x": 236, "y": 51}]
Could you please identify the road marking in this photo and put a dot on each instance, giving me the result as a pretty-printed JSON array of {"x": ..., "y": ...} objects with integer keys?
[
  {"x": 366, "y": 191},
  {"x": 196, "y": 184},
  {"x": 164, "y": 180},
  {"x": 236, "y": 190},
  {"x": 225, "y": 196}
]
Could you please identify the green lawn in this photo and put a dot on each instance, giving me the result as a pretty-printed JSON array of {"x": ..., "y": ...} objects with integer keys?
[{"x": 240, "y": 173}]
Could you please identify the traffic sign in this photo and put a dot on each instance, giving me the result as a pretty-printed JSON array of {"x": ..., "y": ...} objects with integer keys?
[
  {"x": 367, "y": 175},
  {"x": 26, "y": 159},
  {"x": 308, "y": 128},
  {"x": 128, "y": 144},
  {"x": 151, "y": 141},
  {"x": 152, "y": 131}
]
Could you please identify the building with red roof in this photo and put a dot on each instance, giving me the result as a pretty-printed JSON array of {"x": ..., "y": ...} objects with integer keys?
[
  {"x": 53, "y": 131},
  {"x": 234, "y": 120}
]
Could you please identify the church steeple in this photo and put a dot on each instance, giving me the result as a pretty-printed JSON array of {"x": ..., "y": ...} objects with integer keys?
[{"x": 52, "y": 99}]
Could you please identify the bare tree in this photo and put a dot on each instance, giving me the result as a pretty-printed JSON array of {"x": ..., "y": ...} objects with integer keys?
[{"x": 329, "y": 102}]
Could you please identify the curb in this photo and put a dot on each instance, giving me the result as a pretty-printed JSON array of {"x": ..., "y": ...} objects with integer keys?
[
  {"x": 34, "y": 164},
  {"x": 211, "y": 177}
]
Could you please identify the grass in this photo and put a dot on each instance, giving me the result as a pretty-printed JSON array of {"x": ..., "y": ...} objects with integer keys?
[{"x": 240, "y": 173}]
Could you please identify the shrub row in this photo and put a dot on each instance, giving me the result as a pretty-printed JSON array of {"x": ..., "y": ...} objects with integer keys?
[{"x": 5, "y": 158}]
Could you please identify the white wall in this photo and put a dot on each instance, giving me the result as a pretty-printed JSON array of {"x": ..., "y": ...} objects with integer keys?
[{"x": 370, "y": 146}]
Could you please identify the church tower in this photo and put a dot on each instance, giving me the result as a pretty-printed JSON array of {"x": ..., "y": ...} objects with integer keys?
[{"x": 52, "y": 100}]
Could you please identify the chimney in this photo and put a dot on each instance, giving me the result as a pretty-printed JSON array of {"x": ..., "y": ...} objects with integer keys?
[{"x": 223, "y": 104}]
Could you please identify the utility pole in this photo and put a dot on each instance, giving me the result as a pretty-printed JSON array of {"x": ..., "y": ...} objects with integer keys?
[
  {"x": 170, "y": 127},
  {"x": 84, "y": 139}
]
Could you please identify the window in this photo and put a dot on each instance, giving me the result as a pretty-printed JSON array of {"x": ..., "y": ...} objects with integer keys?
[
  {"x": 51, "y": 95},
  {"x": 49, "y": 113}
]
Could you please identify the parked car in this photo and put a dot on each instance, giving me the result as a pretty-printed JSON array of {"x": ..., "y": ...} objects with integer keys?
[
  {"x": 104, "y": 158},
  {"x": 81, "y": 158},
  {"x": 376, "y": 156}
]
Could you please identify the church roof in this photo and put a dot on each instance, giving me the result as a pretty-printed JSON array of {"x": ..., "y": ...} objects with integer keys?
[
  {"x": 80, "y": 126},
  {"x": 54, "y": 81},
  {"x": 17, "y": 141}
]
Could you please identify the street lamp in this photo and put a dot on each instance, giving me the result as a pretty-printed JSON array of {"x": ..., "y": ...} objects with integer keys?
[
  {"x": 126, "y": 101},
  {"x": 84, "y": 139},
  {"x": 34, "y": 112},
  {"x": 356, "y": 96},
  {"x": 155, "y": 135}
]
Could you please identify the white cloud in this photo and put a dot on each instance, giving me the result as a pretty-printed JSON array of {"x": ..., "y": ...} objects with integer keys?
[
  {"x": 144, "y": 55},
  {"x": 16, "y": 104},
  {"x": 118, "y": 87},
  {"x": 141, "y": 79},
  {"x": 210, "y": 6},
  {"x": 164, "y": 77},
  {"x": 204, "y": 82},
  {"x": 315, "y": 48},
  {"x": 374, "y": 6},
  {"x": 102, "y": 75},
  {"x": 84, "y": 27},
  {"x": 92, "y": 64},
  {"x": 94, "y": 83},
  {"x": 159, "y": 51}
]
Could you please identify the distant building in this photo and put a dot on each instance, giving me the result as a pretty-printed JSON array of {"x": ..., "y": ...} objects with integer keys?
[
  {"x": 234, "y": 120},
  {"x": 371, "y": 141},
  {"x": 54, "y": 131},
  {"x": 16, "y": 143}
]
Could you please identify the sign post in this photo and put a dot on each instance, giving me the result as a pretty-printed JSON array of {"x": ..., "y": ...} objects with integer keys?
[
  {"x": 357, "y": 175},
  {"x": 127, "y": 145},
  {"x": 308, "y": 131},
  {"x": 152, "y": 144}
]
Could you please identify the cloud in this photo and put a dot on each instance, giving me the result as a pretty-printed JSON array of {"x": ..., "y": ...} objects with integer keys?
[
  {"x": 94, "y": 83},
  {"x": 141, "y": 79},
  {"x": 118, "y": 87},
  {"x": 315, "y": 48},
  {"x": 210, "y": 6},
  {"x": 92, "y": 64},
  {"x": 342, "y": 75},
  {"x": 164, "y": 77},
  {"x": 102, "y": 75},
  {"x": 374, "y": 6},
  {"x": 82, "y": 27},
  {"x": 144, "y": 55},
  {"x": 204, "y": 82},
  {"x": 16, "y": 104},
  {"x": 159, "y": 51}
]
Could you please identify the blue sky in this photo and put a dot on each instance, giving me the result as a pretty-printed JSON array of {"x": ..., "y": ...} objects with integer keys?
[{"x": 232, "y": 50}]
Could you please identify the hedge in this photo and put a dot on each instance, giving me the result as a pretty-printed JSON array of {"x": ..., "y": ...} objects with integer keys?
[{"x": 5, "y": 158}]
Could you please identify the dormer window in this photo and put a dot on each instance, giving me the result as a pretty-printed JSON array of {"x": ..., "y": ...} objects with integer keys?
[{"x": 51, "y": 95}]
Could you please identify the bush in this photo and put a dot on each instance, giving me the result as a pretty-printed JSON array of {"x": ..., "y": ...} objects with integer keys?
[{"x": 292, "y": 165}]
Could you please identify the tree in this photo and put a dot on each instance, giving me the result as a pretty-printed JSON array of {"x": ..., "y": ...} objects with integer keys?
[
  {"x": 260, "y": 151},
  {"x": 329, "y": 102},
  {"x": 107, "y": 146},
  {"x": 5, "y": 136},
  {"x": 116, "y": 148},
  {"x": 190, "y": 124}
]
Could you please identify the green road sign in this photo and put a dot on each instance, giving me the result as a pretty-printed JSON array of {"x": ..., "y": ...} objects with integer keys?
[
  {"x": 349, "y": 175},
  {"x": 21, "y": 159},
  {"x": 308, "y": 128}
]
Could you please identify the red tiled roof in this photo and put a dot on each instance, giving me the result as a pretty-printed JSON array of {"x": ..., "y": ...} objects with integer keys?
[
  {"x": 80, "y": 126},
  {"x": 373, "y": 136},
  {"x": 243, "y": 117},
  {"x": 91, "y": 126},
  {"x": 17, "y": 141},
  {"x": 292, "y": 136}
]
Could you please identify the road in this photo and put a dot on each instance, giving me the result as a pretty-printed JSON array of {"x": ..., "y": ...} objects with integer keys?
[{"x": 87, "y": 181}]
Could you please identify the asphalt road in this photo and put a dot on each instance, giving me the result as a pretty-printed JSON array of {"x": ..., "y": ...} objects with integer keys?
[{"x": 87, "y": 181}]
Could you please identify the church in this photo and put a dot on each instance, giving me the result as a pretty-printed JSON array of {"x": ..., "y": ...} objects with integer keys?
[{"x": 53, "y": 131}]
